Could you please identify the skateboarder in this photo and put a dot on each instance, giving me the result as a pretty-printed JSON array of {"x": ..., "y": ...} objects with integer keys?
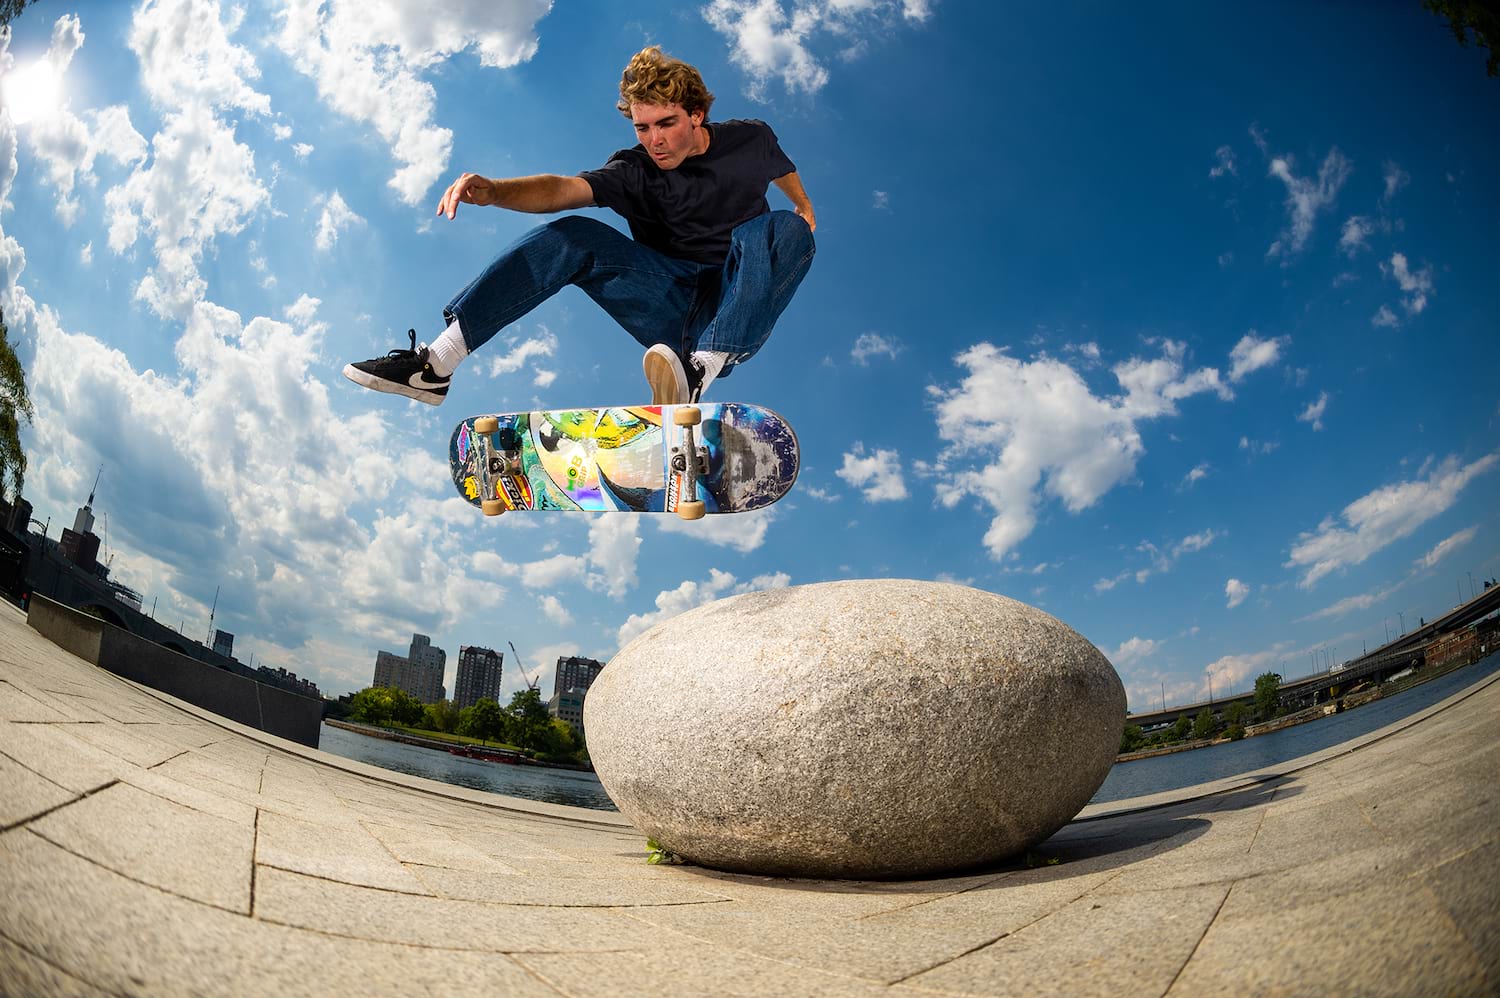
[{"x": 709, "y": 269}]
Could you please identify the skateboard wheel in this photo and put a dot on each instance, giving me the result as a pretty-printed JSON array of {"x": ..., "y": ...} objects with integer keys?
[
  {"x": 691, "y": 509},
  {"x": 687, "y": 415},
  {"x": 486, "y": 424},
  {"x": 492, "y": 507}
]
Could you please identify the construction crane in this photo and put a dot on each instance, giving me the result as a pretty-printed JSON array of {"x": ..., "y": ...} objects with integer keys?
[{"x": 530, "y": 684}]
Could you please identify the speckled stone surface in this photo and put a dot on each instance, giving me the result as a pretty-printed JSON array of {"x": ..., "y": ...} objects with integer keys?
[{"x": 873, "y": 729}]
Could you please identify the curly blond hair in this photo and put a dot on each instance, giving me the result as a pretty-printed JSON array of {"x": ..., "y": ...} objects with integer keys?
[{"x": 653, "y": 77}]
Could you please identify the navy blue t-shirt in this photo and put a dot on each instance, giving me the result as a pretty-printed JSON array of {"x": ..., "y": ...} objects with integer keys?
[{"x": 689, "y": 212}]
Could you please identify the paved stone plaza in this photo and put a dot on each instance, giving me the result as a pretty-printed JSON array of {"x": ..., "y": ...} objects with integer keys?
[{"x": 149, "y": 848}]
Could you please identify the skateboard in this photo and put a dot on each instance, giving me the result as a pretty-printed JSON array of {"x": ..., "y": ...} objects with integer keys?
[{"x": 720, "y": 457}]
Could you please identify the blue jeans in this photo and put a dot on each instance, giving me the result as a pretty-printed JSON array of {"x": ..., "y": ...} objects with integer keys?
[{"x": 729, "y": 308}]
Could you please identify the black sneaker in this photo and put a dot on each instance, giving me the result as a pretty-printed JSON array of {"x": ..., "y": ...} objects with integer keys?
[
  {"x": 702, "y": 369},
  {"x": 401, "y": 372},
  {"x": 695, "y": 379}
]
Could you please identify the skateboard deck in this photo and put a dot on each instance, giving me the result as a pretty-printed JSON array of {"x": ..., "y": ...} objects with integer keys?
[{"x": 629, "y": 458}]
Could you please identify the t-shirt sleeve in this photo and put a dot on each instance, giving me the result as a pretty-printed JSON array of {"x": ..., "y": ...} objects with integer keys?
[
  {"x": 777, "y": 162},
  {"x": 616, "y": 184}
]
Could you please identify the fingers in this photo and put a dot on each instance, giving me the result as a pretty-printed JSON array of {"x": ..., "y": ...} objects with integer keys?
[
  {"x": 455, "y": 193},
  {"x": 444, "y": 207}
]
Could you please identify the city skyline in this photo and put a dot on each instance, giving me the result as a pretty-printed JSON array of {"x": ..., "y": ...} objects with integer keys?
[{"x": 1190, "y": 346}]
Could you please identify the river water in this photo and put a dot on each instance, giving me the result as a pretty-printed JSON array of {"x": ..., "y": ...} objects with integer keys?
[
  {"x": 1187, "y": 769},
  {"x": 555, "y": 786},
  {"x": 1125, "y": 780}
]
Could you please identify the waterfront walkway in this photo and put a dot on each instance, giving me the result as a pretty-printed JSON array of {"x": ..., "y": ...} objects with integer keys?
[{"x": 149, "y": 848}]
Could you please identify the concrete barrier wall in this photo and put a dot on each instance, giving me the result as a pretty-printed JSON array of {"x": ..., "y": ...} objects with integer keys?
[
  {"x": 65, "y": 627},
  {"x": 275, "y": 711}
]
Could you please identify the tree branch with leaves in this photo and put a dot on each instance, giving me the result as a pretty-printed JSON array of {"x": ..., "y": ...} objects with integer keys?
[
  {"x": 1478, "y": 16},
  {"x": 15, "y": 406}
]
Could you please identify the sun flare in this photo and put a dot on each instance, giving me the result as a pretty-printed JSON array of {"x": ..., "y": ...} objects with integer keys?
[{"x": 31, "y": 92}]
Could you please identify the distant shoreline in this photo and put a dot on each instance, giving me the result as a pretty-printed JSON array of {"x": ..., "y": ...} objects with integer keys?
[
  {"x": 1305, "y": 715},
  {"x": 513, "y": 758}
]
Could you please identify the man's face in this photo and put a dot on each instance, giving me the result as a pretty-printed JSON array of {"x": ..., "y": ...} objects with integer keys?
[{"x": 667, "y": 132}]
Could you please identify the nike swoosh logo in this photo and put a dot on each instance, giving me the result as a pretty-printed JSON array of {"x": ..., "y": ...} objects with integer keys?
[{"x": 419, "y": 380}]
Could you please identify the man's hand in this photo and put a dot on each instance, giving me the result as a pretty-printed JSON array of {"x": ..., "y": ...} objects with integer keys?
[
  {"x": 791, "y": 186},
  {"x": 469, "y": 188},
  {"x": 541, "y": 194}
]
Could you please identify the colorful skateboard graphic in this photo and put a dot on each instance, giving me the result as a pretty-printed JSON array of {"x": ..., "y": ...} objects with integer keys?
[{"x": 630, "y": 459}]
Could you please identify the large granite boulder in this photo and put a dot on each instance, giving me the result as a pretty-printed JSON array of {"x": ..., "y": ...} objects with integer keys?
[{"x": 865, "y": 729}]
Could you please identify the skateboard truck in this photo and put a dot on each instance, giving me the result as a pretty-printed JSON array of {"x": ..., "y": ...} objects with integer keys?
[
  {"x": 690, "y": 461},
  {"x": 495, "y": 461}
]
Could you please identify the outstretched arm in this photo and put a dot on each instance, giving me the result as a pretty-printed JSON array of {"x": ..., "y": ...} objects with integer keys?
[
  {"x": 539, "y": 195},
  {"x": 791, "y": 186}
]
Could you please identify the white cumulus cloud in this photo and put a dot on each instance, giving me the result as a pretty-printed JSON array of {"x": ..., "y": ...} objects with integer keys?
[
  {"x": 1252, "y": 353},
  {"x": 1382, "y": 517},
  {"x": 878, "y": 473},
  {"x": 1306, "y": 198},
  {"x": 199, "y": 184},
  {"x": 369, "y": 59},
  {"x": 1236, "y": 591},
  {"x": 1223, "y": 163},
  {"x": 770, "y": 40},
  {"x": 693, "y": 593},
  {"x": 1415, "y": 285},
  {"x": 874, "y": 345},
  {"x": 744, "y": 532},
  {"x": 1019, "y": 431},
  {"x": 521, "y": 351},
  {"x": 1314, "y": 412},
  {"x": 1133, "y": 652},
  {"x": 337, "y": 217},
  {"x": 188, "y": 60}
]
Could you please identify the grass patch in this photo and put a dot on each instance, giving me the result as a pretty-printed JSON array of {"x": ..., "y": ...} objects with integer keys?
[{"x": 443, "y": 736}]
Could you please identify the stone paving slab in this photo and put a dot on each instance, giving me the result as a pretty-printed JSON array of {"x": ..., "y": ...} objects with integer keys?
[
  {"x": 147, "y": 847},
  {"x": 179, "y": 849}
]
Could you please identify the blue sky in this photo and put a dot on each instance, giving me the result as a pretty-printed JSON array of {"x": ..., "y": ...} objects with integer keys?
[{"x": 1178, "y": 323}]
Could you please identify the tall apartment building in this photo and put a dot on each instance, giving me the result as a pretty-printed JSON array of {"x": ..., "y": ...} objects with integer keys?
[
  {"x": 575, "y": 673},
  {"x": 419, "y": 673},
  {"x": 571, "y": 686},
  {"x": 479, "y": 674}
]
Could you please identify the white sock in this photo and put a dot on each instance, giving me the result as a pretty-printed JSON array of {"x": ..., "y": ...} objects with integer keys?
[
  {"x": 447, "y": 351},
  {"x": 711, "y": 362}
]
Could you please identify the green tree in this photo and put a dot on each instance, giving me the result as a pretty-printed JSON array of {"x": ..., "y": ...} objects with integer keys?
[
  {"x": 1478, "y": 16},
  {"x": 530, "y": 722},
  {"x": 15, "y": 405},
  {"x": 1235, "y": 713},
  {"x": 1267, "y": 692},
  {"x": 385, "y": 706},
  {"x": 1180, "y": 729},
  {"x": 1234, "y": 732},
  {"x": 440, "y": 716},
  {"x": 485, "y": 721},
  {"x": 11, "y": 9},
  {"x": 1204, "y": 724},
  {"x": 1131, "y": 738},
  {"x": 562, "y": 741}
]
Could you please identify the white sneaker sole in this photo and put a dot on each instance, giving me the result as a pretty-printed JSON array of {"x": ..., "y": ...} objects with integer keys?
[{"x": 368, "y": 380}]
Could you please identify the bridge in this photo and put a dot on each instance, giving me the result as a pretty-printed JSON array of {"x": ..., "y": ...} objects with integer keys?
[
  {"x": 52, "y": 575},
  {"x": 1403, "y": 652}
]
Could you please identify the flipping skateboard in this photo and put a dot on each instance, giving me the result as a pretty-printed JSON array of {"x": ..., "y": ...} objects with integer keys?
[{"x": 725, "y": 457}]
